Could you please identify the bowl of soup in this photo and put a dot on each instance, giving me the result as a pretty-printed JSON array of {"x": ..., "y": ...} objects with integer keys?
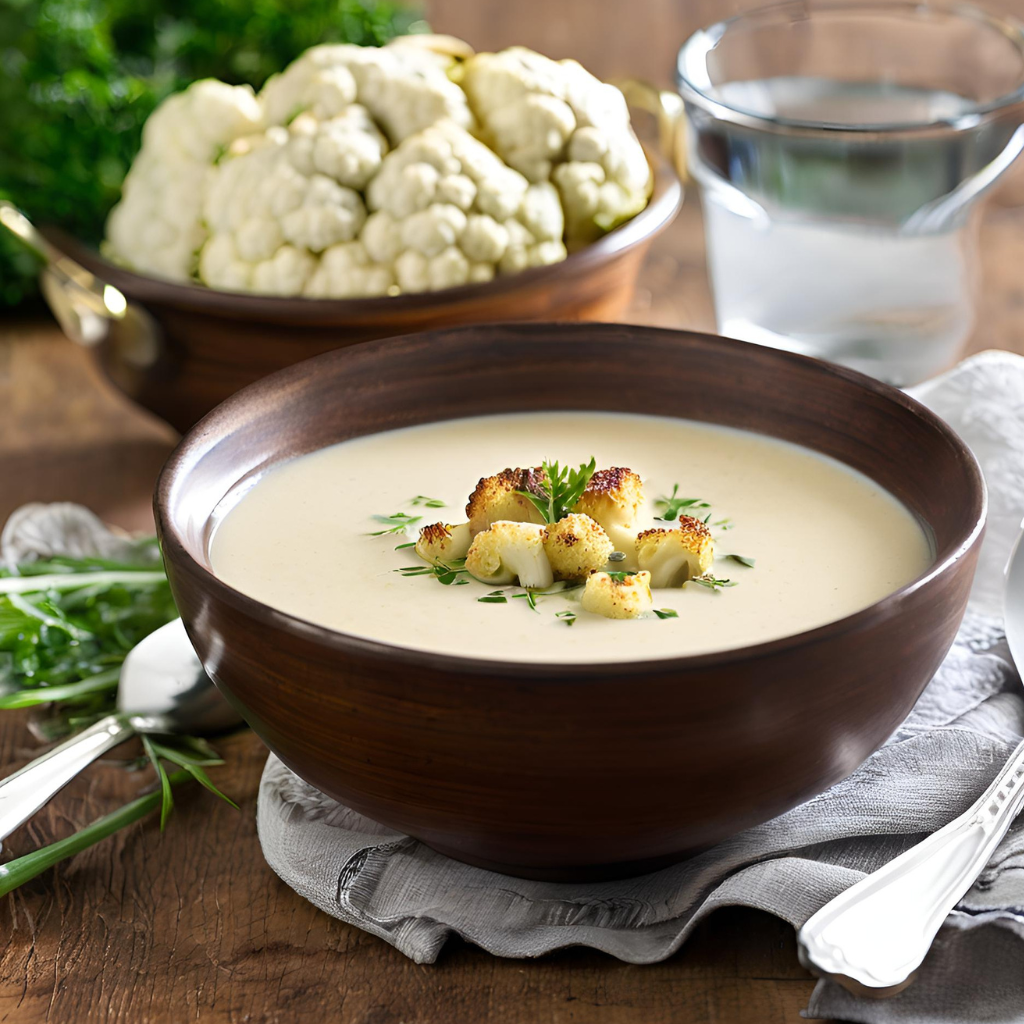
[{"x": 506, "y": 720}]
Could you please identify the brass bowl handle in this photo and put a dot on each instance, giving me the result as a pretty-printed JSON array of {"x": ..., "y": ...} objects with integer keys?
[{"x": 667, "y": 108}]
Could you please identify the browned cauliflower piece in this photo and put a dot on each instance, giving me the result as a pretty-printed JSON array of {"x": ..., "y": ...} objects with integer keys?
[
  {"x": 510, "y": 551},
  {"x": 576, "y": 546},
  {"x": 674, "y": 556},
  {"x": 613, "y": 499},
  {"x": 441, "y": 542},
  {"x": 497, "y": 499},
  {"x": 618, "y": 597}
]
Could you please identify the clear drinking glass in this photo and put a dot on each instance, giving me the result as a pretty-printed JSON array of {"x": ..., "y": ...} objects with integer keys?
[{"x": 841, "y": 148}]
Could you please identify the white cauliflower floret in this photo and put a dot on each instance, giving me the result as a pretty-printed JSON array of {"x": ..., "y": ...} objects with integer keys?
[
  {"x": 544, "y": 118},
  {"x": 157, "y": 227},
  {"x": 576, "y": 546},
  {"x": 510, "y": 551},
  {"x": 674, "y": 556},
  {"x": 499, "y": 497},
  {"x": 447, "y": 211},
  {"x": 348, "y": 148},
  {"x": 613, "y": 498},
  {"x": 443, "y": 542},
  {"x": 346, "y": 271},
  {"x": 275, "y": 217},
  {"x": 618, "y": 596},
  {"x": 405, "y": 88}
]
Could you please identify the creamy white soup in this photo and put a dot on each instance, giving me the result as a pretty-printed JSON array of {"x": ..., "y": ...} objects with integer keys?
[{"x": 825, "y": 541}]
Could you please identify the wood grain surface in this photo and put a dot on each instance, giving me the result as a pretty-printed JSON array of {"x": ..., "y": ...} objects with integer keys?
[{"x": 191, "y": 925}]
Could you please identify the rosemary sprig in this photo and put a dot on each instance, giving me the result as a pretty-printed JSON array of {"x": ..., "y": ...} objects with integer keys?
[
  {"x": 562, "y": 488},
  {"x": 397, "y": 523},
  {"x": 673, "y": 505}
]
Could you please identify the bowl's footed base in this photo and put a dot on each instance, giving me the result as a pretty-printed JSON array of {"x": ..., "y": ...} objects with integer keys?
[{"x": 569, "y": 873}]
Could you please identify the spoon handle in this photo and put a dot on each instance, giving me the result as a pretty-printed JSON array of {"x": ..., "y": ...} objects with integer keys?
[
  {"x": 872, "y": 937},
  {"x": 31, "y": 787}
]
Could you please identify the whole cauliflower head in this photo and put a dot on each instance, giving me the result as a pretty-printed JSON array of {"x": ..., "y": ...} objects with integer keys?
[
  {"x": 157, "y": 228},
  {"x": 619, "y": 596},
  {"x": 364, "y": 171},
  {"x": 554, "y": 121},
  {"x": 507, "y": 552},
  {"x": 674, "y": 556},
  {"x": 576, "y": 546},
  {"x": 500, "y": 497},
  {"x": 443, "y": 542},
  {"x": 613, "y": 498}
]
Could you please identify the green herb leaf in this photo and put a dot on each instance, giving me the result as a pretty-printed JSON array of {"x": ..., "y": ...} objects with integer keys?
[
  {"x": 742, "y": 559},
  {"x": 621, "y": 577},
  {"x": 494, "y": 597},
  {"x": 666, "y": 613},
  {"x": 531, "y": 599},
  {"x": 23, "y": 869},
  {"x": 562, "y": 488},
  {"x": 569, "y": 617},
  {"x": 673, "y": 505},
  {"x": 709, "y": 581},
  {"x": 422, "y": 499},
  {"x": 449, "y": 573},
  {"x": 187, "y": 758},
  {"x": 402, "y": 547},
  {"x": 397, "y": 523},
  {"x": 167, "y": 796}
]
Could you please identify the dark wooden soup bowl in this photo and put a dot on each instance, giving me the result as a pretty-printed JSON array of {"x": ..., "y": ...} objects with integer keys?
[
  {"x": 573, "y": 771},
  {"x": 206, "y": 344}
]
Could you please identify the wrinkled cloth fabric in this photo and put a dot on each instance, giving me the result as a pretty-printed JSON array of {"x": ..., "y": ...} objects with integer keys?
[{"x": 935, "y": 765}]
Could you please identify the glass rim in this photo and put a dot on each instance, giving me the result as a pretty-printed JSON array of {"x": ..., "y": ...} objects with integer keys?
[{"x": 704, "y": 40}]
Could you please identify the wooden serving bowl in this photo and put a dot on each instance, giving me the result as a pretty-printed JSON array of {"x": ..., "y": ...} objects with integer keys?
[
  {"x": 573, "y": 771},
  {"x": 210, "y": 343}
]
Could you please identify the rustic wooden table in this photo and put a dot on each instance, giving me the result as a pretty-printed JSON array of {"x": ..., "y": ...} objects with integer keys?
[{"x": 191, "y": 924}]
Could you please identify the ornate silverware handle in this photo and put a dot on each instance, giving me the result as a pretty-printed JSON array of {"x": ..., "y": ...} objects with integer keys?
[
  {"x": 872, "y": 937},
  {"x": 24, "y": 792}
]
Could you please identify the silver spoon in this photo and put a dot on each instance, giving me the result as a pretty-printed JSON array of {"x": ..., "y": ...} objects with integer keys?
[
  {"x": 162, "y": 689},
  {"x": 874, "y": 936}
]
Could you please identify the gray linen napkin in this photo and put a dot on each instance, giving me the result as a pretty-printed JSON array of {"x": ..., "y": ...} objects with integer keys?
[{"x": 940, "y": 759}]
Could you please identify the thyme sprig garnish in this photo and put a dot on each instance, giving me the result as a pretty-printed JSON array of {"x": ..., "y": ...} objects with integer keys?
[
  {"x": 673, "y": 505},
  {"x": 494, "y": 597},
  {"x": 561, "y": 488},
  {"x": 396, "y": 523},
  {"x": 422, "y": 499},
  {"x": 711, "y": 582},
  {"x": 450, "y": 573}
]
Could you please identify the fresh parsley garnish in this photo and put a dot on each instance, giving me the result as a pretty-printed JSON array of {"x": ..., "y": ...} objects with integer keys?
[
  {"x": 742, "y": 559},
  {"x": 422, "y": 499},
  {"x": 666, "y": 613},
  {"x": 562, "y": 488},
  {"x": 711, "y": 582},
  {"x": 621, "y": 577},
  {"x": 673, "y": 505},
  {"x": 395, "y": 524}
]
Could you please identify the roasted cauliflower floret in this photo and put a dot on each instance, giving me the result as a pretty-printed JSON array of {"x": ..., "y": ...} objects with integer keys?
[
  {"x": 576, "y": 546},
  {"x": 497, "y": 498},
  {"x": 508, "y": 551},
  {"x": 674, "y": 556},
  {"x": 613, "y": 499},
  {"x": 442, "y": 542},
  {"x": 618, "y": 597}
]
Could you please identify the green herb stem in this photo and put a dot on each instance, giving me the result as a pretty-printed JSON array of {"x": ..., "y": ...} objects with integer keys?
[
  {"x": 98, "y": 683},
  {"x": 73, "y": 580},
  {"x": 23, "y": 869}
]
